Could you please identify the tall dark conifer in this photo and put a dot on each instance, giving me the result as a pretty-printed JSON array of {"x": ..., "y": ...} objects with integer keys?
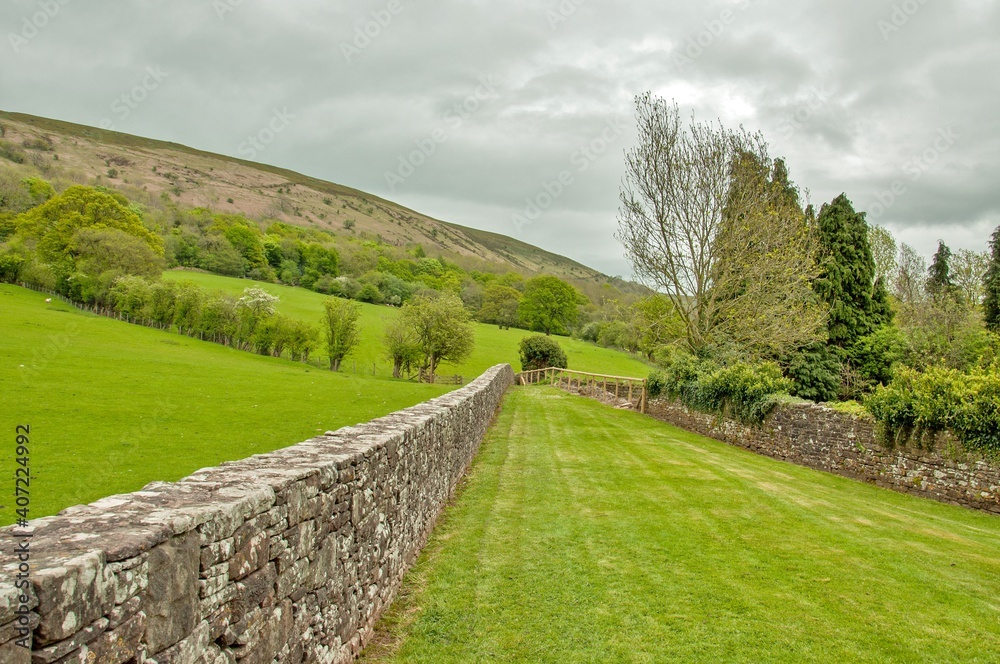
[
  {"x": 858, "y": 304},
  {"x": 939, "y": 274},
  {"x": 991, "y": 304}
]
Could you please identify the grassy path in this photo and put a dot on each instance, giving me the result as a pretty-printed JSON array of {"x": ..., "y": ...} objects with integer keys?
[{"x": 585, "y": 534}]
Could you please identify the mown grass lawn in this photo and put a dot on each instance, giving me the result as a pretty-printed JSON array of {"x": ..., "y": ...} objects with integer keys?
[
  {"x": 585, "y": 534},
  {"x": 493, "y": 346},
  {"x": 113, "y": 406}
]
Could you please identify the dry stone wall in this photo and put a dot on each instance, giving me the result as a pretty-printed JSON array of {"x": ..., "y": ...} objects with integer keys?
[
  {"x": 825, "y": 439},
  {"x": 283, "y": 557}
]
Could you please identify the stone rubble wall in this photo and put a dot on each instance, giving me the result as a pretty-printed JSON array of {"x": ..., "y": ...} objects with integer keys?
[
  {"x": 825, "y": 439},
  {"x": 289, "y": 556}
]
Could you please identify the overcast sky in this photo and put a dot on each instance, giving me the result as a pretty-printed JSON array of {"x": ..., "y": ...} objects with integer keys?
[{"x": 860, "y": 96}]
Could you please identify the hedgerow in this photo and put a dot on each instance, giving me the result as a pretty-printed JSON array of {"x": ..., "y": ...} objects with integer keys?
[
  {"x": 941, "y": 399},
  {"x": 746, "y": 392}
]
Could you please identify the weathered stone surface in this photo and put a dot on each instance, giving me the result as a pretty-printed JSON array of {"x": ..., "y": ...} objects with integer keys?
[
  {"x": 250, "y": 558},
  {"x": 59, "y": 650},
  {"x": 190, "y": 649},
  {"x": 118, "y": 645},
  {"x": 171, "y": 603},
  {"x": 11, "y": 653},
  {"x": 288, "y": 556},
  {"x": 72, "y": 595}
]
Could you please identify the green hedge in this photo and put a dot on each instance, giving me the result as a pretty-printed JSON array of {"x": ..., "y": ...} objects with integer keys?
[
  {"x": 745, "y": 392},
  {"x": 941, "y": 399}
]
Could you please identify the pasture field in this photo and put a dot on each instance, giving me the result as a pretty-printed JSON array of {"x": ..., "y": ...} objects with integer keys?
[
  {"x": 493, "y": 345},
  {"x": 113, "y": 406},
  {"x": 587, "y": 534}
]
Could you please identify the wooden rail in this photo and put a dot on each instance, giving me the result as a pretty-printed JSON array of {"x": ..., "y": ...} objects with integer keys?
[{"x": 565, "y": 377}]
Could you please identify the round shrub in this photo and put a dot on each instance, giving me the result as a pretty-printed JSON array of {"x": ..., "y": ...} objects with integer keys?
[
  {"x": 541, "y": 352},
  {"x": 656, "y": 384},
  {"x": 370, "y": 293}
]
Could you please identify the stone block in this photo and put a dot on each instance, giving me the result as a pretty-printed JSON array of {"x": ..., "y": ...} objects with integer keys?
[
  {"x": 72, "y": 595},
  {"x": 171, "y": 599}
]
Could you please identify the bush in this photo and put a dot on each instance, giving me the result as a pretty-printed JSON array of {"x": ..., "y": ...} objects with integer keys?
[
  {"x": 941, "y": 399},
  {"x": 10, "y": 267},
  {"x": 12, "y": 153},
  {"x": 746, "y": 392},
  {"x": 875, "y": 356},
  {"x": 815, "y": 373},
  {"x": 541, "y": 352},
  {"x": 656, "y": 384},
  {"x": 592, "y": 332},
  {"x": 43, "y": 144},
  {"x": 371, "y": 294}
]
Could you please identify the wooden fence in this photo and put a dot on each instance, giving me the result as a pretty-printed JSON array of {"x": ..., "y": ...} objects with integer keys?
[{"x": 620, "y": 386}]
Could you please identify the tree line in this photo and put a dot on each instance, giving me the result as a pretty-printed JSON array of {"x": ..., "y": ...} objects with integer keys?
[
  {"x": 77, "y": 241},
  {"x": 756, "y": 285}
]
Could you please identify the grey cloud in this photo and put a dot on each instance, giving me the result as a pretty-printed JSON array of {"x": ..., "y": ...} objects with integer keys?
[{"x": 846, "y": 102}]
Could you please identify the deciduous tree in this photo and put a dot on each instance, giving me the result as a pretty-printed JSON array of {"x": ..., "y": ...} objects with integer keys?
[
  {"x": 442, "y": 329},
  {"x": 884, "y": 252},
  {"x": 341, "y": 328},
  {"x": 910, "y": 275},
  {"x": 549, "y": 304},
  {"x": 707, "y": 218},
  {"x": 968, "y": 272},
  {"x": 500, "y": 306},
  {"x": 402, "y": 347}
]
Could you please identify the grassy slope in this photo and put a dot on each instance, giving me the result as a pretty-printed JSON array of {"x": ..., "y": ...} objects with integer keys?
[
  {"x": 585, "y": 534},
  {"x": 493, "y": 345},
  {"x": 113, "y": 406}
]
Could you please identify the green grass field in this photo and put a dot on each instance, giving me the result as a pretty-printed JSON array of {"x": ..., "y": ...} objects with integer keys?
[
  {"x": 493, "y": 346},
  {"x": 113, "y": 406},
  {"x": 585, "y": 534}
]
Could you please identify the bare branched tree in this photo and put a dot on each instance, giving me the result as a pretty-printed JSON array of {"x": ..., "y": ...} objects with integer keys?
[
  {"x": 705, "y": 221},
  {"x": 968, "y": 270},
  {"x": 911, "y": 273},
  {"x": 885, "y": 253}
]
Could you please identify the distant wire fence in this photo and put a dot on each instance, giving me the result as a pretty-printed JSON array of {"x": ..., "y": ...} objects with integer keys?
[
  {"x": 634, "y": 390},
  {"x": 362, "y": 368}
]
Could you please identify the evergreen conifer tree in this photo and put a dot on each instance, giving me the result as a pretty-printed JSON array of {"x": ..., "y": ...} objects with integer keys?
[{"x": 991, "y": 304}]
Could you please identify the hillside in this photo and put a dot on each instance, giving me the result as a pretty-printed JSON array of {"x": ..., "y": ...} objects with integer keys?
[{"x": 194, "y": 178}]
